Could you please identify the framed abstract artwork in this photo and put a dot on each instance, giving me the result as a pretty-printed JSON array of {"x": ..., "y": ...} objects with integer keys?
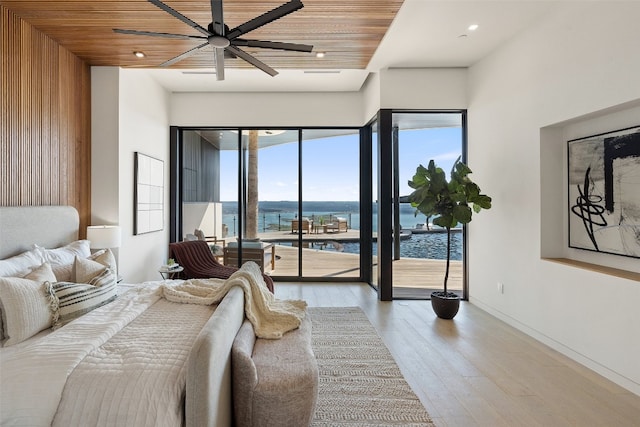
[
  {"x": 148, "y": 194},
  {"x": 604, "y": 192}
]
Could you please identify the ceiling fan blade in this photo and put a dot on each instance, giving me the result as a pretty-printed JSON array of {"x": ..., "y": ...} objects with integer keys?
[
  {"x": 151, "y": 33},
  {"x": 265, "y": 18},
  {"x": 219, "y": 55},
  {"x": 217, "y": 17},
  {"x": 273, "y": 45},
  {"x": 252, "y": 60},
  {"x": 184, "y": 55},
  {"x": 180, "y": 16}
]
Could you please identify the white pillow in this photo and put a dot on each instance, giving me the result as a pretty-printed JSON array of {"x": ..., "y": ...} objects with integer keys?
[
  {"x": 42, "y": 273},
  {"x": 106, "y": 258},
  {"x": 86, "y": 269},
  {"x": 25, "y": 308},
  {"x": 21, "y": 264},
  {"x": 64, "y": 273},
  {"x": 65, "y": 255}
]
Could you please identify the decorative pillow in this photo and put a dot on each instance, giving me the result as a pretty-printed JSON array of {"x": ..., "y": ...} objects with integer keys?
[
  {"x": 76, "y": 299},
  {"x": 19, "y": 265},
  {"x": 86, "y": 269},
  {"x": 63, "y": 272},
  {"x": 42, "y": 274},
  {"x": 65, "y": 255},
  {"x": 199, "y": 234},
  {"x": 105, "y": 277},
  {"x": 25, "y": 308},
  {"x": 106, "y": 258}
]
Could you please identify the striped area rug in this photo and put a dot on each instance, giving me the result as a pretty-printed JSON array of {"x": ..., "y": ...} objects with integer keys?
[{"x": 360, "y": 383}]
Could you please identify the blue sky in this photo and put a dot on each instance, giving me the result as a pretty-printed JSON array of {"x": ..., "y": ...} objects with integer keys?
[{"x": 330, "y": 165}]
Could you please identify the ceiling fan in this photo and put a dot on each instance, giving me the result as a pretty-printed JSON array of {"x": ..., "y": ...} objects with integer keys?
[{"x": 226, "y": 42}]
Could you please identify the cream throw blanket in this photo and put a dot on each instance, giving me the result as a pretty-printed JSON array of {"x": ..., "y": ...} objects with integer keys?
[{"x": 271, "y": 318}]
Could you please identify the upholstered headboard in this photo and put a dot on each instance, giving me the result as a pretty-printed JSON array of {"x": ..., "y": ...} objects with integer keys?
[{"x": 47, "y": 226}]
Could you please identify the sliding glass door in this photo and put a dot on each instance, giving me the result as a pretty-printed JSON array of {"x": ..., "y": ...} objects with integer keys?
[
  {"x": 420, "y": 250},
  {"x": 410, "y": 253},
  {"x": 291, "y": 193},
  {"x": 330, "y": 202}
]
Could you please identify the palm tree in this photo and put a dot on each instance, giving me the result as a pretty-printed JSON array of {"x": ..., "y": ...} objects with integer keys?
[{"x": 252, "y": 188}]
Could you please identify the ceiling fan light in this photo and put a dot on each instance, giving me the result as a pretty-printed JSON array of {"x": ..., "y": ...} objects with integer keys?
[
  {"x": 473, "y": 27},
  {"x": 139, "y": 54},
  {"x": 320, "y": 54},
  {"x": 218, "y": 41}
]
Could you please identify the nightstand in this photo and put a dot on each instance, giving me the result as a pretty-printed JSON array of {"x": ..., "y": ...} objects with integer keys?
[{"x": 167, "y": 273}]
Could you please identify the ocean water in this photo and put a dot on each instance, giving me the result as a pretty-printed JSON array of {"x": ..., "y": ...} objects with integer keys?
[{"x": 277, "y": 216}]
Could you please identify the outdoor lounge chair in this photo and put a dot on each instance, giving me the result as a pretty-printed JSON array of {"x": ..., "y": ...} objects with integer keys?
[
  {"x": 199, "y": 263},
  {"x": 305, "y": 225},
  {"x": 338, "y": 224}
]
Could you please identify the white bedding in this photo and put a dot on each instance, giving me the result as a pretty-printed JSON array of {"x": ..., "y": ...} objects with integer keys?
[
  {"x": 142, "y": 385},
  {"x": 135, "y": 361},
  {"x": 33, "y": 377},
  {"x": 33, "y": 372}
]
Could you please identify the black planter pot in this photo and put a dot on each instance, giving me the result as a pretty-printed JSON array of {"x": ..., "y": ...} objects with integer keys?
[{"x": 445, "y": 305}]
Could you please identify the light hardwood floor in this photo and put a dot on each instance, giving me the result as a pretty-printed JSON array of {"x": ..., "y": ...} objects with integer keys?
[{"x": 478, "y": 371}]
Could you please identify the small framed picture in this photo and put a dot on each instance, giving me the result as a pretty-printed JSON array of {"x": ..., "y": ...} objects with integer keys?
[{"x": 148, "y": 194}]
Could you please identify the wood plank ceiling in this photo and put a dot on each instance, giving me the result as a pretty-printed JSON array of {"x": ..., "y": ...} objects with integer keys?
[{"x": 349, "y": 31}]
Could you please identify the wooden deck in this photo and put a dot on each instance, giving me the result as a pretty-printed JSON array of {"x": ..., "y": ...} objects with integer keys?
[{"x": 408, "y": 273}]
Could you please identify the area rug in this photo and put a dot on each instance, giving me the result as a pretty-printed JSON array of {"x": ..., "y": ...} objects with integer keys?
[{"x": 360, "y": 383}]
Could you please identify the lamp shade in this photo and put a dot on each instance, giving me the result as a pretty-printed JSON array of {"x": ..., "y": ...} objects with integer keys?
[{"x": 103, "y": 236}]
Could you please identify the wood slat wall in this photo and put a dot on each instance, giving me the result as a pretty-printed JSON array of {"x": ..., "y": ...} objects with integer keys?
[{"x": 45, "y": 121}]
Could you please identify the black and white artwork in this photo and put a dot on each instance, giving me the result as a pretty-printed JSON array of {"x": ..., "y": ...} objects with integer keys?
[
  {"x": 604, "y": 192},
  {"x": 148, "y": 194}
]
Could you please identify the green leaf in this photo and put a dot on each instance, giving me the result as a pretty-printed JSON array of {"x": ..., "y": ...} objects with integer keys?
[
  {"x": 484, "y": 201},
  {"x": 445, "y": 221},
  {"x": 462, "y": 213}
]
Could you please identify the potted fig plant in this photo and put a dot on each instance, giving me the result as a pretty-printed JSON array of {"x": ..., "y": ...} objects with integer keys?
[{"x": 451, "y": 203}]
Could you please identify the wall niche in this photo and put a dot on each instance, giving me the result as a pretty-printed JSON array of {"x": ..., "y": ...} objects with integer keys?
[{"x": 554, "y": 193}]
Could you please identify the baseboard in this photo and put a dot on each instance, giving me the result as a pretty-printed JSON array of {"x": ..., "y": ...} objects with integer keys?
[{"x": 613, "y": 376}]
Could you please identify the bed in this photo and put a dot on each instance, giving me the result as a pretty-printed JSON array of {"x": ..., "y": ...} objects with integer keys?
[{"x": 133, "y": 359}]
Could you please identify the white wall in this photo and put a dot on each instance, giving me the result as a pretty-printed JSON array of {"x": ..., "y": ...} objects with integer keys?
[
  {"x": 130, "y": 113},
  {"x": 266, "y": 109},
  {"x": 420, "y": 89},
  {"x": 370, "y": 97},
  {"x": 104, "y": 145},
  {"x": 144, "y": 127},
  {"x": 577, "y": 61}
]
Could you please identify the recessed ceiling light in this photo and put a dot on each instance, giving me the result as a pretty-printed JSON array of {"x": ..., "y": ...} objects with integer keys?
[
  {"x": 139, "y": 54},
  {"x": 473, "y": 27},
  {"x": 320, "y": 55}
]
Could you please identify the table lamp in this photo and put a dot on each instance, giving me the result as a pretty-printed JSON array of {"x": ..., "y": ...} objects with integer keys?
[{"x": 103, "y": 236}]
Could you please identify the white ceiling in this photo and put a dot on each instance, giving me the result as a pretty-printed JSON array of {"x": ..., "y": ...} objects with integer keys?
[{"x": 425, "y": 33}]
